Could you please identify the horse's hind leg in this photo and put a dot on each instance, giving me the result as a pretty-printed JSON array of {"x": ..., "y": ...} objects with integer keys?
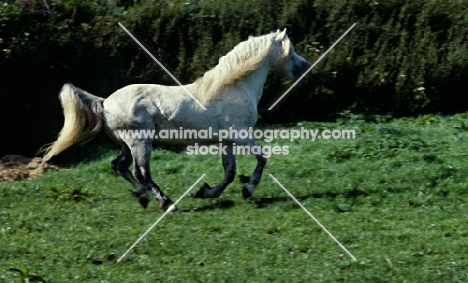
[
  {"x": 141, "y": 152},
  {"x": 121, "y": 165},
  {"x": 229, "y": 165},
  {"x": 251, "y": 182}
]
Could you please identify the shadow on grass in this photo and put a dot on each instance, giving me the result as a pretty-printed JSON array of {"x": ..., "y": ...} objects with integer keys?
[
  {"x": 264, "y": 202},
  {"x": 221, "y": 204}
]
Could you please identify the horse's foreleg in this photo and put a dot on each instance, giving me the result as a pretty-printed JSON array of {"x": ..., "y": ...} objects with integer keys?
[
  {"x": 141, "y": 151},
  {"x": 121, "y": 165},
  {"x": 251, "y": 182},
  {"x": 229, "y": 165}
]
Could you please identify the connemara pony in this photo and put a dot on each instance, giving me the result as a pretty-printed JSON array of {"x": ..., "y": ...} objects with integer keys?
[{"x": 230, "y": 93}]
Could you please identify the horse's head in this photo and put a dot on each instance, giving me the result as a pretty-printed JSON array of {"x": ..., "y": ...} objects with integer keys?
[{"x": 286, "y": 59}]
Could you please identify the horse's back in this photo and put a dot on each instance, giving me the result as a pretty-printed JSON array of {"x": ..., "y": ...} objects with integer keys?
[{"x": 142, "y": 106}]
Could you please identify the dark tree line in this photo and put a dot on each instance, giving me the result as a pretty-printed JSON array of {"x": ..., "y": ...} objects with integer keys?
[{"x": 403, "y": 58}]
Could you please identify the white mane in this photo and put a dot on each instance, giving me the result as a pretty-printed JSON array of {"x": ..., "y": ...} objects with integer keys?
[{"x": 245, "y": 58}]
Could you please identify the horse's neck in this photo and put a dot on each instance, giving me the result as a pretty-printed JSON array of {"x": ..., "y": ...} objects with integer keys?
[{"x": 255, "y": 82}]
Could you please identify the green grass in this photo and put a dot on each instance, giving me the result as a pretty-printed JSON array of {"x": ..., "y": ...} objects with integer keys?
[{"x": 395, "y": 197}]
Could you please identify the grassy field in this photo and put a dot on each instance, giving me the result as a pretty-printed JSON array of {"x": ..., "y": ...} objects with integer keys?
[{"x": 395, "y": 197}]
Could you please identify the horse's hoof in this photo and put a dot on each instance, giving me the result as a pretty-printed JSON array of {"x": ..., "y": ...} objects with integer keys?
[
  {"x": 142, "y": 197},
  {"x": 168, "y": 205},
  {"x": 172, "y": 208},
  {"x": 202, "y": 192},
  {"x": 244, "y": 179},
  {"x": 143, "y": 200},
  {"x": 246, "y": 193}
]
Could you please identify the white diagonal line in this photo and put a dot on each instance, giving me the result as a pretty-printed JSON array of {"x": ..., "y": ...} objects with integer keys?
[
  {"x": 162, "y": 66},
  {"x": 311, "y": 67},
  {"x": 160, "y": 218},
  {"x": 311, "y": 216}
]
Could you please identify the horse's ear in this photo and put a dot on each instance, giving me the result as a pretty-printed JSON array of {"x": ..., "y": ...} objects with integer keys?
[{"x": 281, "y": 36}]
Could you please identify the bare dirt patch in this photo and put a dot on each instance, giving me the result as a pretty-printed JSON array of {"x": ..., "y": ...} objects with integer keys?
[{"x": 17, "y": 167}]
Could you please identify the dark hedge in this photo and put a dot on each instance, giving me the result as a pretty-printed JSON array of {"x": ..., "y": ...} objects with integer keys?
[{"x": 403, "y": 57}]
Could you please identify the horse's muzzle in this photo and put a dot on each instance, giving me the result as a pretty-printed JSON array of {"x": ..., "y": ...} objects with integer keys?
[{"x": 300, "y": 68}]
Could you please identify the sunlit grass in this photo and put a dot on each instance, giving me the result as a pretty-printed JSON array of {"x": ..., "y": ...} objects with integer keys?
[{"x": 395, "y": 197}]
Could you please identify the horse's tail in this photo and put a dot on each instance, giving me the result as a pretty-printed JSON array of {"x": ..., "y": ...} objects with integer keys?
[{"x": 83, "y": 119}]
